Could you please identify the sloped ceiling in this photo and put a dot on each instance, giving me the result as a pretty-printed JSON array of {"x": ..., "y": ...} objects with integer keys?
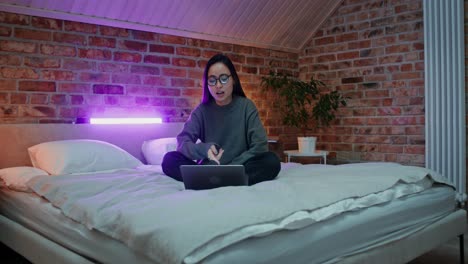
[{"x": 277, "y": 24}]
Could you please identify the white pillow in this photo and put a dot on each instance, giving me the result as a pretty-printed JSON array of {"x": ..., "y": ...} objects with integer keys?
[
  {"x": 155, "y": 149},
  {"x": 16, "y": 177},
  {"x": 80, "y": 155}
]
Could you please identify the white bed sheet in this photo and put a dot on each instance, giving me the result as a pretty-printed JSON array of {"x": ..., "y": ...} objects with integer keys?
[{"x": 326, "y": 241}]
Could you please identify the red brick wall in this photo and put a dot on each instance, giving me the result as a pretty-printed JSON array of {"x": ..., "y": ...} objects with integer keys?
[
  {"x": 373, "y": 51},
  {"x": 56, "y": 71}
]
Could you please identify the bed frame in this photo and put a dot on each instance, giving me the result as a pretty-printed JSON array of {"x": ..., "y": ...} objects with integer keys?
[{"x": 16, "y": 138}]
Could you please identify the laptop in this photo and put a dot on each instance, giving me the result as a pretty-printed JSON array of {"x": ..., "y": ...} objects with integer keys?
[{"x": 202, "y": 177}]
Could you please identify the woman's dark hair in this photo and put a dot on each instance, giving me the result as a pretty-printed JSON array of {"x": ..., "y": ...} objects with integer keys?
[{"x": 236, "y": 86}]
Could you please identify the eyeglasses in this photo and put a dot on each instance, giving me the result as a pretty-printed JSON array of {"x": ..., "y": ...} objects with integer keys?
[{"x": 223, "y": 79}]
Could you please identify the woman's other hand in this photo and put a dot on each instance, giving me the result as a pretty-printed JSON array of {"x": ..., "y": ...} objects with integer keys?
[{"x": 214, "y": 154}]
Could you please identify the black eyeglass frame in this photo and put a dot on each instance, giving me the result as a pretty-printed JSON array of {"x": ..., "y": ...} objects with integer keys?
[{"x": 222, "y": 76}]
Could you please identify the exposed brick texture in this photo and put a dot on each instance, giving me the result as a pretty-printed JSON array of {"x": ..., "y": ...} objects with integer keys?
[
  {"x": 54, "y": 71},
  {"x": 373, "y": 53}
]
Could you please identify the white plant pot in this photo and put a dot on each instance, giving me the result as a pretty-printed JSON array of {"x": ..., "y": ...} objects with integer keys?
[{"x": 306, "y": 144}]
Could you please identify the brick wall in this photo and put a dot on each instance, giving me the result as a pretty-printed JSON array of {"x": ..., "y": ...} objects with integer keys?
[
  {"x": 373, "y": 51},
  {"x": 56, "y": 71}
]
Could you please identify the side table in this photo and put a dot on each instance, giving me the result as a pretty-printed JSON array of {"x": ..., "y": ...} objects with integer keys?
[{"x": 295, "y": 153}]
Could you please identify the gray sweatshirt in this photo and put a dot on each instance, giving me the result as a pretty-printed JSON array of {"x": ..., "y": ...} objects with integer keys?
[{"x": 235, "y": 127}]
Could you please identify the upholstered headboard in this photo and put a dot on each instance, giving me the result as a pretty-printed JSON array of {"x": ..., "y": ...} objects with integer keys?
[{"x": 15, "y": 139}]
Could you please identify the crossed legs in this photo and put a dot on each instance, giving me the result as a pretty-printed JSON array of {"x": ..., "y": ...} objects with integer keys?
[{"x": 263, "y": 167}]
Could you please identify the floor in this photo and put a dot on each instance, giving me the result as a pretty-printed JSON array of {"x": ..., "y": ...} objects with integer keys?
[
  {"x": 445, "y": 254},
  {"x": 8, "y": 256}
]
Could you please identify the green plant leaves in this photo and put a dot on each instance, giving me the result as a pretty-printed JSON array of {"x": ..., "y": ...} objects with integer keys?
[{"x": 302, "y": 101}]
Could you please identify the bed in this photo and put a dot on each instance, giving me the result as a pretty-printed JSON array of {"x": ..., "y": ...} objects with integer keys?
[{"x": 131, "y": 213}]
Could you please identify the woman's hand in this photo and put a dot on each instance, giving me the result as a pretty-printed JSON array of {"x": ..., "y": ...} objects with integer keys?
[{"x": 214, "y": 154}]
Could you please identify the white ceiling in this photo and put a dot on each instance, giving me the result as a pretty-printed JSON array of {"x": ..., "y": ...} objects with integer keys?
[{"x": 277, "y": 24}]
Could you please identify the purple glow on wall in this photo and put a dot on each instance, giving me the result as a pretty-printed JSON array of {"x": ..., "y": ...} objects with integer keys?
[{"x": 133, "y": 120}]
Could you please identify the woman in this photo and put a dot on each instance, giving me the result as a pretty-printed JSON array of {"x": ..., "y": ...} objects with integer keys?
[{"x": 228, "y": 127}]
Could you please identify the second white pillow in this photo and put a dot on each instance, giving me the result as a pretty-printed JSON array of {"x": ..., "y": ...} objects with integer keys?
[{"x": 155, "y": 149}]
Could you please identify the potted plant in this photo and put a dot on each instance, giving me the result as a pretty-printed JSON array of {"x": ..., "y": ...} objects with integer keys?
[{"x": 300, "y": 102}]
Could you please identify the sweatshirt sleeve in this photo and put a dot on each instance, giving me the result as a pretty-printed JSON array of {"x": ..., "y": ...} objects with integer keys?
[
  {"x": 187, "y": 138},
  {"x": 256, "y": 136}
]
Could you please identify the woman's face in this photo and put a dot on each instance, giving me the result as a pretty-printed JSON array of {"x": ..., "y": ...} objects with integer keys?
[{"x": 220, "y": 83}]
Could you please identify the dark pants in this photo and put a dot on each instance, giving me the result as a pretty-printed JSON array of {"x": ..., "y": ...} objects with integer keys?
[{"x": 263, "y": 167}]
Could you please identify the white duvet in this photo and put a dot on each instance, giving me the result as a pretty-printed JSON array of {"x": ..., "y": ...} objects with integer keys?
[{"x": 155, "y": 216}]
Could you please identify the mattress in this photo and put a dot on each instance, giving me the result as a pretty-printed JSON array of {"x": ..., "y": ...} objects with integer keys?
[{"x": 323, "y": 242}]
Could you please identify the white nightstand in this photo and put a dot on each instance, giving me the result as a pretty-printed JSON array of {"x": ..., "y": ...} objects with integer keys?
[{"x": 295, "y": 153}]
